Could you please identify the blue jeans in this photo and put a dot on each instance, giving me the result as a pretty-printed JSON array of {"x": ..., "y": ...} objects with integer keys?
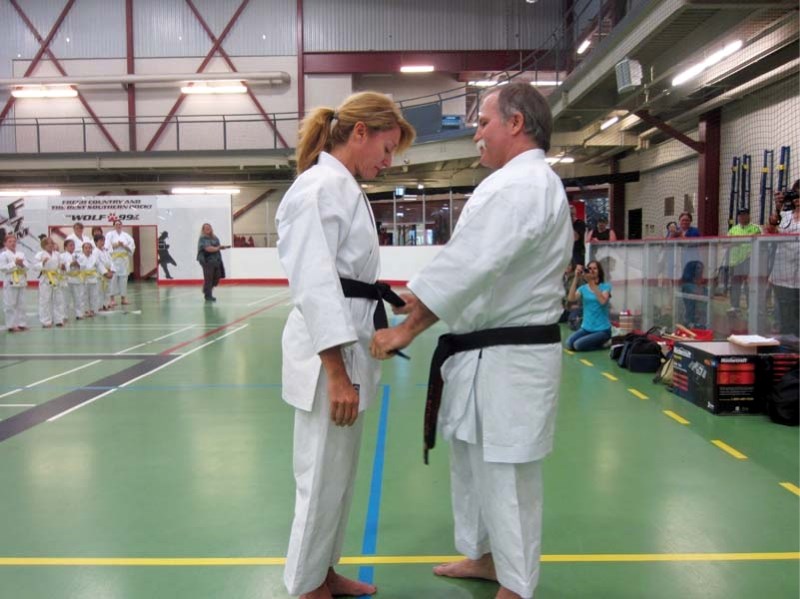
[{"x": 583, "y": 340}]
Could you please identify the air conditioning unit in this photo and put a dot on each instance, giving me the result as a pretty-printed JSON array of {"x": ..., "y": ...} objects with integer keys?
[{"x": 629, "y": 75}]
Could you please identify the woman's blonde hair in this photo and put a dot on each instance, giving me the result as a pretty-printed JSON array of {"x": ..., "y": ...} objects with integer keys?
[{"x": 326, "y": 128}]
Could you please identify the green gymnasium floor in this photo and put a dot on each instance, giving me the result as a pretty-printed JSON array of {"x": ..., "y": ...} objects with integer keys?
[{"x": 147, "y": 455}]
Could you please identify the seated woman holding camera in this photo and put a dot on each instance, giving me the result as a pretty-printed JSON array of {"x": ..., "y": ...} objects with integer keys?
[{"x": 594, "y": 296}]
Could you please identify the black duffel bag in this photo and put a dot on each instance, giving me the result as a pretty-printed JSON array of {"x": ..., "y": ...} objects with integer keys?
[{"x": 639, "y": 353}]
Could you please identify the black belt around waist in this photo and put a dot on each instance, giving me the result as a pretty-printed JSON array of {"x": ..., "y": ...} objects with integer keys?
[
  {"x": 452, "y": 344},
  {"x": 373, "y": 291}
]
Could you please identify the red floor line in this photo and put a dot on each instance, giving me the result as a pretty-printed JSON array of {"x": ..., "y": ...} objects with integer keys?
[{"x": 221, "y": 327}]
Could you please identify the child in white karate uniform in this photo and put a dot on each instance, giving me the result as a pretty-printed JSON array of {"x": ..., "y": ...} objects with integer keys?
[
  {"x": 91, "y": 272},
  {"x": 47, "y": 263},
  {"x": 73, "y": 294},
  {"x": 14, "y": 270},
  {"x": 104, "y": 257}
]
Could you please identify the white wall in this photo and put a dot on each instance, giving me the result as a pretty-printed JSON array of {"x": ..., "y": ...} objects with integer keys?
[
  {"x": 327, "y": 90},
  {"x": 397, "y": 263}
]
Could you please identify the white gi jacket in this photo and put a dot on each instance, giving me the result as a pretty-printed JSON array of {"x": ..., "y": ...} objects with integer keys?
[
  {"x": 326, "y": 230},
  {"x": 503, "y": 267},
  {"x": 120, "y": 255},
  {"x": 91, "y": 268},
  {"x": 47, "y": 268},
  {"x": 13, "y": 275}
]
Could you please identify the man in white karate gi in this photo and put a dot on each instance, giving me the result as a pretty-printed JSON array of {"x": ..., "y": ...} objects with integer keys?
[{"x": 497, "y": 285}]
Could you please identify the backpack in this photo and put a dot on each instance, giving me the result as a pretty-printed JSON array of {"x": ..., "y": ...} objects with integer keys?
[
  {"x": 640, "y": 353},
  {"x": 783, "y": 400}
]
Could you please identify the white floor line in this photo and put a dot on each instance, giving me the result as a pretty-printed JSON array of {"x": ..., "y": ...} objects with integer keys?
[
  {"x": 124, "y": 351},
  {"x": 17, "y": 405},
  {"x": 50, "y": 378},
  {"x": 146, "y": 374},
  {"x": 269, "y": 297},
  {"x": 81, "y": 354}
]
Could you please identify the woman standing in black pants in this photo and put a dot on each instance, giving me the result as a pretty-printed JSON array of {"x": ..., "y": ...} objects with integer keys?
[{"x": 208, "y": 255}]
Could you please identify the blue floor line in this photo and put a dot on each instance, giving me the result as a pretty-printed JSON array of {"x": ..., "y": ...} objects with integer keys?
[{"x": 370, "y": 543}]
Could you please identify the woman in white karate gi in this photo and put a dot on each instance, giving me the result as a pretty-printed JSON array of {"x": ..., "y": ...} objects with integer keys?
[
  {"x": 121, "y": 246},
  {"x": 14, "y": 270},
  {"x": 326, "y": 230},
  {"x": 104, "y": 256},
  {"x": 51, "y": 305}
]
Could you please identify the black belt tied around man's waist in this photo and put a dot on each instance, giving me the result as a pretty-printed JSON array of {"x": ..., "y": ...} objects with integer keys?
[
  {"x": 373, "y": 291},
  {"x": 452, "y": 344}
]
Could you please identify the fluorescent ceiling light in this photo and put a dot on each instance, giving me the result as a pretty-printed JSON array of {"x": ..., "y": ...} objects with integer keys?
[
  {"x": 420, "y": 186},
  {"x": 44, "y": 92},
  {"x": 613, "y": 120},
  {"x": 545, "y": 83},
  {"x": 16, "y": 193},
  {"x": 421, "y": 68},
  {"x": 712, "y": 59},
  {"x": 560, "y": 160},
  {"x": 486, "y": 83},
  {"x": 584, "y": 46},
  {"x": 211, "y": 88},
  {"x": 204, "y": 190}
]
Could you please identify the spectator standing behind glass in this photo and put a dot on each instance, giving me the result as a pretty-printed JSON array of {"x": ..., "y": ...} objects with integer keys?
[
  {"x": 785, "y": 274},
  {"x": 692, "y": 283},
  {"x": 739, "y": 256},
  {"x": 601, "y": 232},
  {"x": 578, "y": 233},
  {"x": 210, "y": 259},
  {"x": 685, "y": 228},
  {"x": 594, "y": 296}
]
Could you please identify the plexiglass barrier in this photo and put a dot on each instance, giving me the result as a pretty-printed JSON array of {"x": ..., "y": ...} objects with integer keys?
[{"x": 730, "y": 285}]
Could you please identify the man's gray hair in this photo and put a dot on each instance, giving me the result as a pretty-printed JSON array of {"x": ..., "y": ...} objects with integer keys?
[{"x": 525, "y": 99}]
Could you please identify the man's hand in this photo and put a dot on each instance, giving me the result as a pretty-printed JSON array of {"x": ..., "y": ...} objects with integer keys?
[
  {"x": 344, "y": 401},
  {"x": 410, "y": 299},
  {"x": 386, "y": 341}
]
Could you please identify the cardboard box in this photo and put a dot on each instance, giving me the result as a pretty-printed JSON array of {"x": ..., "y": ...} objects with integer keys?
[{"x": 718, "y": 376}]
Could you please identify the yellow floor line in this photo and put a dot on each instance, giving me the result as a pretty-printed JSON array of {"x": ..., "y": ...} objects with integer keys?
[
  {"x": 570, "y": 352},
  {"x": 391, "y": 559},
  {"x": 638, "y": 394},
  {"x": 729, "y": 450},
  {"x": 587, "y": 362},
  {"x": 676, "y": 417},
  {"x": 610, "y": 376},
  {"x": 791, "y": 488}
]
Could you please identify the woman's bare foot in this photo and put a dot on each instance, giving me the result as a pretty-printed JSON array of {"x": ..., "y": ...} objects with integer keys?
[
  {"x": 320, "y": 592},
  {"x": 339, "y": 585},
  {"x": 504, "y": 593},
  {"x": 469, "y": 568}
]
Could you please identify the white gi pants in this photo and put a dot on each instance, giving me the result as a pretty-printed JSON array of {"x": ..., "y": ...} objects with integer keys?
[
  {"x": 78, "y": 294},
  {"x": 325, "y": 462},
  {"x": 119, "y": 280},
  {"x": 51, "y": 308},
  {"x": 497, "y": 509},
  {"x": 14, "y": 306},
  {"x": 94, "y": 299}
]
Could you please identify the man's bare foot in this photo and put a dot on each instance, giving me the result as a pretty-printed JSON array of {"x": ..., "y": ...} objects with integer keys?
[
  {"x": 504, "y": 593},
  {"x": 469, "y": 568},
  {"x": 339, "y": 585},
  {"x": 320, "y": 592}
]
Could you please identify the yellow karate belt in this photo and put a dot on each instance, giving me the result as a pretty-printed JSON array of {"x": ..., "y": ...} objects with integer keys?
[
  {"x": 52, "y": 277},
  {"x": 73, "y": 274},
  {"x": 88, "y": 274},
  {"x": 117, "y": 255},
  {"x": 17, "y": 274}
]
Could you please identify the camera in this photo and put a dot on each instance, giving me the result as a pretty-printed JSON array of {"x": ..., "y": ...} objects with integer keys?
[{"x": 789, "y": 199}]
